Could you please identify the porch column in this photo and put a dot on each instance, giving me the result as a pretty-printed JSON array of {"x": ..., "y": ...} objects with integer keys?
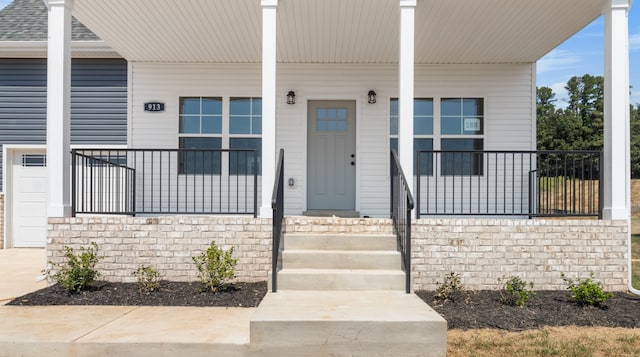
[
  {"x": 405, "y": 95},
  {"x": 616, "y": 111},
  {"x": 59, "y": 107},
  {"x": 269, "y": 8}
]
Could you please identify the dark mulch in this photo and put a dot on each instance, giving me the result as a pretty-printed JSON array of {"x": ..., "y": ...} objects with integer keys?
[
  {"x": 169, "y": 294},
  {"x": 469, "y": 309},
  {"x": 484, "y": 309}
]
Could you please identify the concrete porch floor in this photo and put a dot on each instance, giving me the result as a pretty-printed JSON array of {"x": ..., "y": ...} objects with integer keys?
[{"x": 357, "y": 323}]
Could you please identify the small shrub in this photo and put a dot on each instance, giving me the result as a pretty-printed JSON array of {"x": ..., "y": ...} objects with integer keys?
[
  {"x": 450, "y": 288},
  {"x": 79, "y": 271},
  {"x": 147, "y": 278},
  {"x": 516, "y": 291},
  {"x": 215, "y": 267},
  {"x": 586, "y": 291}
]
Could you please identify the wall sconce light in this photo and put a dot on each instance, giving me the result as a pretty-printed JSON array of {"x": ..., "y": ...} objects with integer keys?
[
  {"x": 372, "y": 97},
  {"x": 291, "y": 97}
]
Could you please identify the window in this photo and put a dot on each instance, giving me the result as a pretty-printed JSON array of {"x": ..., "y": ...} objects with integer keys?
[
  {"x": 245, "y": 129},
  {"x": 461, "y": 122},
  {"x": 459, "y": 128},
  {"x": 422, "y": 131},
  {"x": 200, "y": 127},
  {"x": 204, "y": 125}
]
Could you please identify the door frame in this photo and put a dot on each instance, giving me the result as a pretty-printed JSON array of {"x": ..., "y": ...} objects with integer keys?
[{"x": 305, "y": 127}]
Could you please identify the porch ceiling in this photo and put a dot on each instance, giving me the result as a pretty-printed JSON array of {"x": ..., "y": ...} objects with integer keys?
[{"x": 335, "y": 31}]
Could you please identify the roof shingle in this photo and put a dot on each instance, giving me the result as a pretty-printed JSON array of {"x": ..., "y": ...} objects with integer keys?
[{"x": 26, "y": 20}]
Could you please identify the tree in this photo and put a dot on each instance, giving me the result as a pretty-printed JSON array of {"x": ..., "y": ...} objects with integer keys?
[{"x": 635, "y": 141}]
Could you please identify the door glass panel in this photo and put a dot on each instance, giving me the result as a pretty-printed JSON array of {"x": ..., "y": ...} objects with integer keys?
[{"x": 331, "y": 119}]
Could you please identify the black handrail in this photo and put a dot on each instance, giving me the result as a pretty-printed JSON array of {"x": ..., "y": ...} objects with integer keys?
[
  {"x": 277, "y": 204},
  {"x": 165, "y": 181},
  {"x": 401, "y": 206}
]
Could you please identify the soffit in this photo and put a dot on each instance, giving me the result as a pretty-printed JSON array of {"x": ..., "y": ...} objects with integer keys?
[{"x": 335, "y": 31}]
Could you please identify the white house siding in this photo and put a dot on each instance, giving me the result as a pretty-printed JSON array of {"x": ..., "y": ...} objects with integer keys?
[{"x": 506, "y": 89}]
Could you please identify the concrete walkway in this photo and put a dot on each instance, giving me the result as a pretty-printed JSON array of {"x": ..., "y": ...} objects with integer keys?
[
  {"x": 357, "y": 324},
  {"x": 19, "y": 270}
]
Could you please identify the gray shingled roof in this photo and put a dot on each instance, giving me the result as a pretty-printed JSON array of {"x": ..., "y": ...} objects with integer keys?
[{"x": 26, "y": 20}]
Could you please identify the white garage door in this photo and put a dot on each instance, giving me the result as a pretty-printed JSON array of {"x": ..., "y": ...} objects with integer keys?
[{"x": 29, "y": 198}]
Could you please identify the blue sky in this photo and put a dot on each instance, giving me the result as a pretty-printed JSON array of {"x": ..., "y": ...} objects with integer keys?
[
  {"x": 584, "y": 54},
  {"x": 581, "y": 54}
]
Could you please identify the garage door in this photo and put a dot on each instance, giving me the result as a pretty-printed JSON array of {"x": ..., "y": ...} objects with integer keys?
[{"x": 29, "y": 198}]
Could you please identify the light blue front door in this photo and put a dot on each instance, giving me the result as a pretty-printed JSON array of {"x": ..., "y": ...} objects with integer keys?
[{"x": 331, "y": 161}]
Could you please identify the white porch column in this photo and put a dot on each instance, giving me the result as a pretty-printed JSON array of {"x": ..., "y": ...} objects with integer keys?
[
  {"x": 269, "y": 8},
  {"x": 405, "y": 95},
  {"x": 59, "y": 108},
  {"x": 616, "y": 111}
]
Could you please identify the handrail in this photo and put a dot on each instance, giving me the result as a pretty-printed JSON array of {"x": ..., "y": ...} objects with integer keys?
[
  {"x": 277, "y": 204},
  {"x": 401, "y": 205}
]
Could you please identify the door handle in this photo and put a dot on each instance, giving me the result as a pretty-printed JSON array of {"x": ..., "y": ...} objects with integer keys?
[{"x": 353, "y": 163}]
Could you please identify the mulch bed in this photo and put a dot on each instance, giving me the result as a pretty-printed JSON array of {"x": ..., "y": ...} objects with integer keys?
[
  {"x": 484, "y": 309},
  {"x": 128, "y": 294},
  {"x": 469, "y": 309}
]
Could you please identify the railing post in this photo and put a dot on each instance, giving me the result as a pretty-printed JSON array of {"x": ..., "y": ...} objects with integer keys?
[
  {"x": 600, "y": 185},
  {"x": 73, "y": 182}
]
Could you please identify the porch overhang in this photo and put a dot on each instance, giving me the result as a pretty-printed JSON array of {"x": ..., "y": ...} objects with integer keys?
[{"x": 336, "y": 31}]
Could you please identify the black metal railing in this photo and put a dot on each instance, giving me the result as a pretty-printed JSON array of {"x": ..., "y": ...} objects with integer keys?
[
  {"x": 509, "y": 183},
  {"x": 277, "y": 204},
  {"x": 401, "y": 206},
  {"x": 165, "y": 181},
  {"x": 102, "y": 183}
]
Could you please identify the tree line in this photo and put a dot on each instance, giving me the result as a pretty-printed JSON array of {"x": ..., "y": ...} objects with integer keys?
[{"x": 580, "y": 125}]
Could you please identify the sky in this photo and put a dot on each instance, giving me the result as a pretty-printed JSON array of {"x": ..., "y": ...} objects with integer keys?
[
  {"x": 581, "y": 54},
  {"x": 584, "y": 54}
]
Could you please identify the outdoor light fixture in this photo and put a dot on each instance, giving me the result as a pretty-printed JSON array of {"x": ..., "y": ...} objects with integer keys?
[
  {"x": 372, "y": 97},
  {"x": 291, "y": 97}
]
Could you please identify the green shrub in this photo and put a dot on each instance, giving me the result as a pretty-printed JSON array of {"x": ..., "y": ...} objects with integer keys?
[
  {"x": 450, "y": 288},
  {"x": 79, "y": 271},
  {"x": 215, "y": 267},
  {"x": 147, "y": 278},
  {"x": 586, "y": 291},
  {"x": 516, "y": 291}
]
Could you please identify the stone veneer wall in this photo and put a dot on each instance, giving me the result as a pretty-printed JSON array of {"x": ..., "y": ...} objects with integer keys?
[
  {"x": 1, "y": 220},
  {"x": 537, "y": 250},
  {"x": 480, "y": 250},
  {"x": 165, "y": 243}
]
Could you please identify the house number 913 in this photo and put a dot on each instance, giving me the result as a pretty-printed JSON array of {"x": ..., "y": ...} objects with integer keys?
[{"x": 154, "y": 107}]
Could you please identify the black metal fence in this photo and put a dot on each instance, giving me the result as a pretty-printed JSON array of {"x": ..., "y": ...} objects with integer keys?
[
  {"x": 509, "y": 183},
  {"x": 401, "y": 206},
  {"x": 165, "y": 181},
  {"x": 277, "y": 204}
]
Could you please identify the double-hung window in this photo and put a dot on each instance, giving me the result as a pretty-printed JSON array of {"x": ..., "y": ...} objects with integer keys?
[
  {"x": 422, "y": 132},
  {"x": 203, "y": 124},
  {"x": 200, "y": 127},
  {"x": 461, "y": 129},
  {"x": 245, "y": 129}
]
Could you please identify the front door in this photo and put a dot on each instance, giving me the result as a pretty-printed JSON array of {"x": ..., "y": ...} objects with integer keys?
[{"x": 331, "y": 161}]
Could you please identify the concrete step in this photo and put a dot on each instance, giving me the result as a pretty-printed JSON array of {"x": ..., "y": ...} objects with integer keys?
[
  {"x": 344, "y": 241},
  {"x": 341, "y": 259},
  {"x": 343, "y": 323},
  {"x": 340, "y": 279}
]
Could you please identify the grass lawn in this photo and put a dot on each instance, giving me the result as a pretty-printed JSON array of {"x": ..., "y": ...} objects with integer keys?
[{"x": 554, "y": 341}]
